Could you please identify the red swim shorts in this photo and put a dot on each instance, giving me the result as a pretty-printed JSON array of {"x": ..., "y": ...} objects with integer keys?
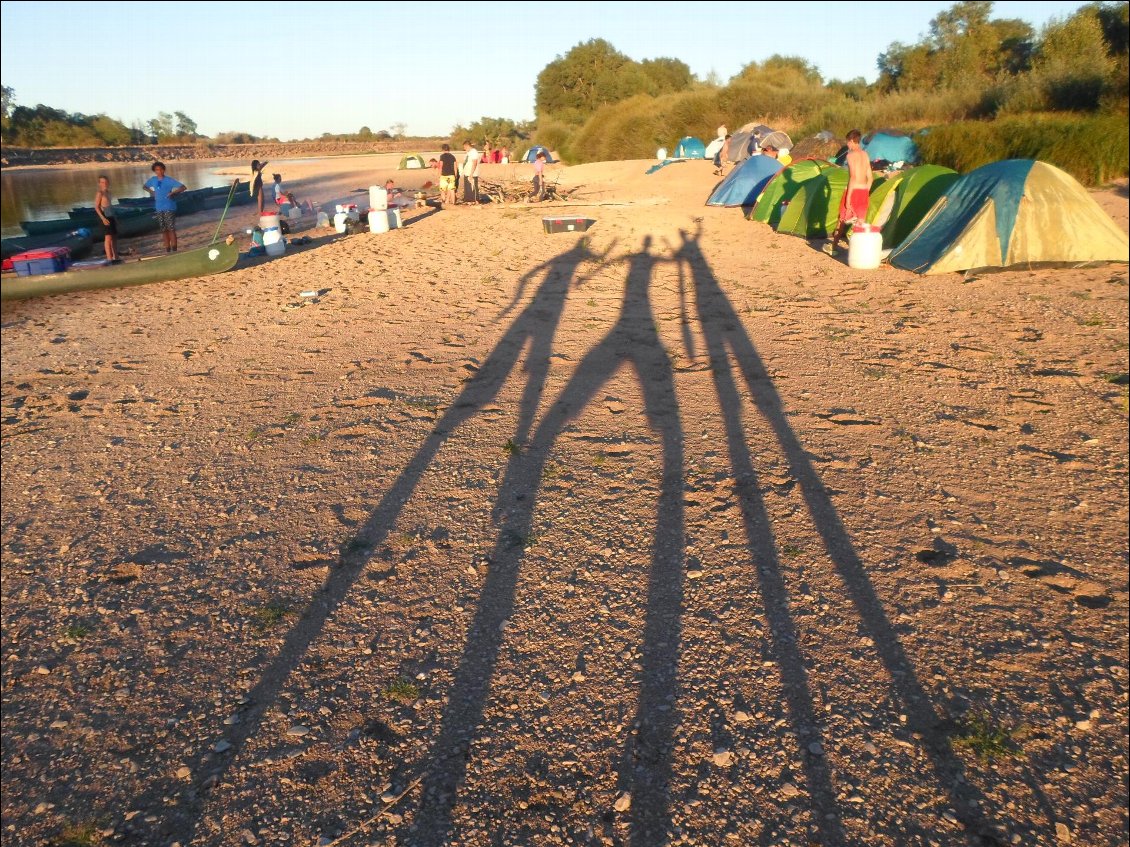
[{"x": 853, "y": 206}]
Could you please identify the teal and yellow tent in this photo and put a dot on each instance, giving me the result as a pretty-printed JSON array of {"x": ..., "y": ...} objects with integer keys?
[
  {"x": 1015, "y": 212},
  {"x": 781, "y": 190}
]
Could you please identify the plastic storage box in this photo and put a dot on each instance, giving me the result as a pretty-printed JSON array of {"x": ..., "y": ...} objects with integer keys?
[
  {"x": 51, "y": 260},
  {"x": 553, "y": 225}
]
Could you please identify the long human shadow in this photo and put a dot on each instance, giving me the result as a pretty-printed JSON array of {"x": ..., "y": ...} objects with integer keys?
[
  {"x": 535, "y": 326},
  {"x": 718, "y": 323},
  {"x": 726, "y": 337},
  {"x": 645, "y": 767}
]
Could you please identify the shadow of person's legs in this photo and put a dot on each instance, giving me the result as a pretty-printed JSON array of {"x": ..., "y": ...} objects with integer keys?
[
  {"x": 647, "y": 765},
  {"x": 538, "y": 320},
  {"x": 721, "y": 323}
]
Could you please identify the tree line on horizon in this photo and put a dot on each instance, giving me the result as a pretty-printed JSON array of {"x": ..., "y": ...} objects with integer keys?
[
  {"x": 1071, "y": 78},
  {"x": 45, "y": 126}
]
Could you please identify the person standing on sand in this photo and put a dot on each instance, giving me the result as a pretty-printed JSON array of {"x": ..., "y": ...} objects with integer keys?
[
  {"x": 853, "y": 206},
  {"x": 164, "y": 189},
  {"x": 539, "y": 175},
  {"x": 104, "y": 207},
  {"x": 448, "y": 168},
  {"x": 257, "y": 169},
  {"x": 471, "y": 173},
  {"x": 504, "y": 156}
]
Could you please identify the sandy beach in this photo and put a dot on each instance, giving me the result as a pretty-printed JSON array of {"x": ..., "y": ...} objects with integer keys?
[{"x": 676, "y": 531}]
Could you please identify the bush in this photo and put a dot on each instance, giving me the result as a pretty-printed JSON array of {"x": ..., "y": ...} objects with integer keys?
[{"x": 1090, "y": 148}]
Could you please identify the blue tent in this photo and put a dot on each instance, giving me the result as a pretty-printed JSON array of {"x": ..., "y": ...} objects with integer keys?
[
  {"x": 745, "y": 182},
  {"x": 892, "y": 148},
  {"x": 532, "y": 155},
  {"x": 690, "y": 148}
]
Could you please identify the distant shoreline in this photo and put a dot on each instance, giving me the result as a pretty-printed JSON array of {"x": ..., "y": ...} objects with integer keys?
[{"x": 26, "y": 158}]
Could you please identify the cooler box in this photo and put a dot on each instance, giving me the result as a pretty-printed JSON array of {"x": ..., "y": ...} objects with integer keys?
[
  {"x": 50, "y": 260},
  {"x": 553, "y": 225}
]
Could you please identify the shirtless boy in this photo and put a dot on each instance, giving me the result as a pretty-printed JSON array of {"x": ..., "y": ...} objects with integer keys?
[
  {"x": 853, "y": 206},
  {"x": 104, "y": 207}
]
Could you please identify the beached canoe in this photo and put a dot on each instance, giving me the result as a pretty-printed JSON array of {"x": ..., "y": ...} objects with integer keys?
[
  {"x": 79, "y": 243},
  {"x": 129, "y": 225},
  {"x": 213, "y": 259},
  {"x": 77, "y": 219}
]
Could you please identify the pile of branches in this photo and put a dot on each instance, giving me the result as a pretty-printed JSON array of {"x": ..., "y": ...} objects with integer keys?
[{"x": 520, "y": 191}]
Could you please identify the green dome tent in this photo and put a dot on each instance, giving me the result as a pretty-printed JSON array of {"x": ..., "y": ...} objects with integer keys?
[
  {"x": 1015, "y": 212},
  {"x": 783, "y": 187},
  {"x": 900, "y": 204},
  {"x": 815, "y": 208},
  {"x": 412, "y": 162}
]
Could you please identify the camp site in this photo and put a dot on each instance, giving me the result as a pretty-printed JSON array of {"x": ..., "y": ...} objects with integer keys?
[{"x": 595, "y": 426}]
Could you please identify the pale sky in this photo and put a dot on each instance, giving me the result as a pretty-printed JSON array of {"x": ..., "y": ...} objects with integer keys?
[{"x": 294, "y": 70}]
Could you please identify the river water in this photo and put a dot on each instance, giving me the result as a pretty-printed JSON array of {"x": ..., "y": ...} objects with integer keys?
[{"x": 38, "y": 194}]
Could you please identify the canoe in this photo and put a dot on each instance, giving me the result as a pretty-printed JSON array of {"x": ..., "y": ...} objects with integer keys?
[
  {"x": 136, "y": 223},
  {"x": 214, "y": 259},
  {"x": 80, "y": 244},
  {"x": 75, "y": 220}
]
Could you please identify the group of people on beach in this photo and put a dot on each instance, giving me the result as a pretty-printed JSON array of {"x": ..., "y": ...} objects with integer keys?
[
  {"x": 452, "y": 172},
  {"x": 162, "y": 188}
]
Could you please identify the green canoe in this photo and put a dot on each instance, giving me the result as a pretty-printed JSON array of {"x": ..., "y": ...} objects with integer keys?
[
  {"x": 213, "y": 259},
  {"x": 80, "y": 244}
]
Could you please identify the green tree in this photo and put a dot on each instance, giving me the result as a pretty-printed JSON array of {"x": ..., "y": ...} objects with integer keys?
[
  {"x": 666, "y": 75},
  {"x": 593, "y": 73},
  {"x": 364, "y": 134},
  {"x": 1073, "y": 67},
  {"x": 7, "y": 97},
  {"x": 780, "y": 71},
  {"x": 162, "y": 127},
  {"x": 185, "y": 126}
]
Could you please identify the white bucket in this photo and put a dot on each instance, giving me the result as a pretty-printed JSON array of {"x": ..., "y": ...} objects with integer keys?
[
  {"x": 378, "y": 220},
  {"x": 378, "y": 197},
  {"x": 394, "y": 221},
  {"x": 323, "y": 220},
  {"x": 274, "y": 248},
  {"x": 661, "y": 154},
  {"x": 865, "y": 247},
  {"x": 339, "y": 221},
  {"x": 267, "y": 220}
]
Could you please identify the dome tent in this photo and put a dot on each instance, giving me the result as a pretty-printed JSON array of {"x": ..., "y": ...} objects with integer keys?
[
  {"x": 1014, "y": 212},
  {"x": 531, "y": 155},
  {"x": 411, "y": 162},
  {"x": 744, "y": 183},
  {"x": 690, "y": 148}
]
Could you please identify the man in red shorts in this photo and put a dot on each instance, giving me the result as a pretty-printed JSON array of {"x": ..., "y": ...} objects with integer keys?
[{"x": 853, "y": 206}]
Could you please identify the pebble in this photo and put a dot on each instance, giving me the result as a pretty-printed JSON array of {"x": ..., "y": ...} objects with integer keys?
[
  {"x": 623, "y": 802},
  {"x": 816, "y": 748},
  {"x": 221, "y": 746},
  {"x": 1062, "y": 833},
  {"x": 183, "y": 772},
  {"x": 389, "y": 796},
  {"x": 790, "y": 790},
  {"x": 723, "y": 758},
  {"x": 249, "y": 837},
  {"x": 694, "y": 574},
  {"x": 298, "y": 730},
  {"x": 742, "y": 717},
  {"x": 43, "y": 670},
  {"x": 1083, "y": 724},
  {"x": 58, "y": 724},
  {"x": 870, "y": 748}
]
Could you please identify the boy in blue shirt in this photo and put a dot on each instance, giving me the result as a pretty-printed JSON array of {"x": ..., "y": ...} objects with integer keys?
[{"x": 164, "y": 189}]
